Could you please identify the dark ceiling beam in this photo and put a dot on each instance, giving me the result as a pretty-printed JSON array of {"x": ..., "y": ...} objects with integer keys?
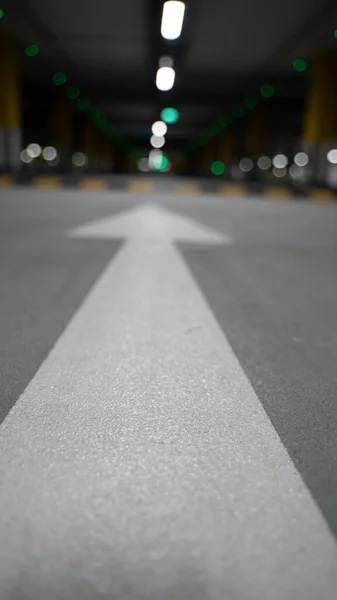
[
  {"x": 30, "y": 23},
  {"x": 288, "y": 86},
  {"x": 309, "y": 28}
]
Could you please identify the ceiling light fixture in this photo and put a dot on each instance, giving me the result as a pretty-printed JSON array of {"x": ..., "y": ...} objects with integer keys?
[
  {"x": 172, "y": 19},
  {"x": 165, "y": 78}
]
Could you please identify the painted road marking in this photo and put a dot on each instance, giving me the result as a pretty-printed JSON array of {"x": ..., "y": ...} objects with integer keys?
[
  {"x": 228, "y": 189},
  {"x": 281, "y": 193},
  {"x": 93, "y": 184},
  {"x": 47, "y": 182},
  {"x": 150, "y": 223},
  {"x": 140, "y": 437},
  {"x": 322, "y": 195},
  {"x": 187, "y": 189},
  {"x": 140, "y": 186},
  {"x": 6, "y": 181}
]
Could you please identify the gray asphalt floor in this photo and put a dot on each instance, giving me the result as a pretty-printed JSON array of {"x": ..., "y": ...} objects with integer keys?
[{"x": 261, "y": 315}]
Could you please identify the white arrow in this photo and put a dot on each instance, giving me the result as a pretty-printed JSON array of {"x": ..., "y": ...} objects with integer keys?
[
  {"x": 139, "y": 463},
  {"x": 150, "y": 223}
]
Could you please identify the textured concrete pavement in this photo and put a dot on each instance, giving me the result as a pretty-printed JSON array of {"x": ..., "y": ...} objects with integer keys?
[{"x": 140, "y": 462}]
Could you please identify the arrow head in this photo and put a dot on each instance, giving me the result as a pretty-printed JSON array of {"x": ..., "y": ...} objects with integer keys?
[{"x": 149, "y": 223}]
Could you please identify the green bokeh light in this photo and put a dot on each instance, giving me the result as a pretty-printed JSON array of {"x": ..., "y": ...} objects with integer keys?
[
  {"x": 111, "y": 130},
  {"x": 217, "y": 167},
  {"x": 203, "y": 136},
  {"x": 226, "y": 120},
  {"x": 73, "y": 92},
  {"x": 59, "y": 78},
  {"x": 169, "y": 115},
  {"x": 32, "y": 50},
  {"x": 250, "y": 101},
  {"x": 101, "y": 122},
  {"x": 267, "y": 90},
  {"x": 216, "y": 128},
  {"x": 299, "y": 64},
  {"x": 335, "y": 34},
  {"x": 93, "y": 113},
  {"x": 83, "y": 103},
  {"x": 160, "y": 162},
  {"x": 238, "y": 111},
  {"x": 1, "y": 13}
]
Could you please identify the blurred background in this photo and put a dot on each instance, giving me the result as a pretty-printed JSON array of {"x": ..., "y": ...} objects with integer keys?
[{"x": 240, "y": 91}]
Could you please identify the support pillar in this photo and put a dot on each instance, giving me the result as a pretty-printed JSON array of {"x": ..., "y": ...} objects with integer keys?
[
  {"x": 207, "y": 155},
  {"x": 226, "y": 146},
  {"x": 320, "y": 120},
  {"x": 60, "y": 126},
  {"x": 89, "y": 137},
  {"x": 257, "y": 132},
  {"x": 10, "y": 105}
]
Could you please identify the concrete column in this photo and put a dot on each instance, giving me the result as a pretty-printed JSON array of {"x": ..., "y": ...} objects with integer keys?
[
  {"x": 87, "y": 141},
  {"x": 207, "y": 154},
  {"x": 320, "y": 120},
  {"x": 257, "y": 136},
  {"x": 10, "y": 105},
  {"x": 226, "y": 146},
  {"x": 103, "y": 150},
  {"x": 60, "y": 126}
]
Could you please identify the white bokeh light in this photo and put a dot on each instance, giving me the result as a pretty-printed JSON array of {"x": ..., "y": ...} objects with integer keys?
[
  {"x": 301, "y": 159},
  {"x": 143, "y": 164},
  {"x": 295, "y": 171},
  {"x": 279, "y": 172},
  {"x": 52, "y": 163},
  {"x": 49, "y": 153},
  {"x": 157, "y": 141},
  {"x": 153, "y": 154},
  {"x": 280, "y": 161},
  {"x": 246, "y": 164},
  {"x": 264, "y": 163},
  {"x": 33, "y": 150},
  {"x": 25, "y": 157},
  {"x": 159, "y": 128},
  {"x": 79, "y": 159},
  {"x": 332, "y": 156}
]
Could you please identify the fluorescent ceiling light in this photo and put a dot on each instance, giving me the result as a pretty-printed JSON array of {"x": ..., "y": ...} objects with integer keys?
[
  {"x": 172, "y": 19},
  {"x": 165, "y": 78}
]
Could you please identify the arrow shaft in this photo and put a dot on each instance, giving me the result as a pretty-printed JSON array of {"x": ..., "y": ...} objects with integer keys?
[{"x": 140, "y": 453}]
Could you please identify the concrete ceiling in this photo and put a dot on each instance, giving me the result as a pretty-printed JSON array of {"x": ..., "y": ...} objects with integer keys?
[{"x": 111, "y": 49}]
